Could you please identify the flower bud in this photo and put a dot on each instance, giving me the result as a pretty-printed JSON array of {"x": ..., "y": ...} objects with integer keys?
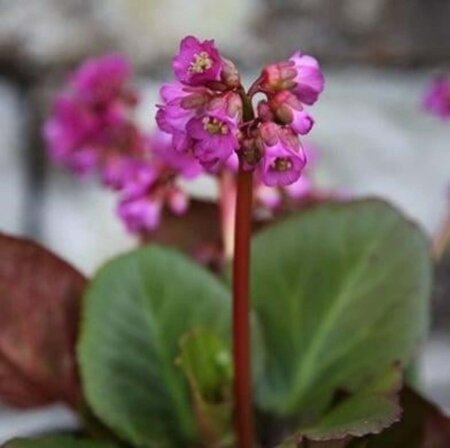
[
  {"x": 289, "y": 110},
  {"x": 230, "y": 74},
  {"x": 264, "y": 111}
]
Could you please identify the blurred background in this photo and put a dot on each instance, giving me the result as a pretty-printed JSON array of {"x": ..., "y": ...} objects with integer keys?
[{"x": 378, "y": 56}]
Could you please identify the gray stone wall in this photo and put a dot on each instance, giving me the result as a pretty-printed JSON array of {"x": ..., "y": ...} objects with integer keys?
[{"x": 382, "y": 32}]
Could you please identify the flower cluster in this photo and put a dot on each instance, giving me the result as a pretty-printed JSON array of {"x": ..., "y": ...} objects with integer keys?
[
  {"x": 209, "y": 115},
  {"x": 437, "y": 97},
  {"x": 206, "y": 123},
  {"x": 92, "y": 128},
  {"x": 90, "y": 124}
]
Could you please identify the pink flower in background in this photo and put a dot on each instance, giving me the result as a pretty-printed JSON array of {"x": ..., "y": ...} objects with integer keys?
[
  {"x": 437, "y": 97},
  {"x": 140, "y": 214},
  {"x": 92, "y": 129},
  {"x": 104, "y": 80},
  {"x": 72, "y": 135},
  {"x": 197, "y": 63},
  {"x": 90, "y": 119},
  {"x": 186, "y": 165}
]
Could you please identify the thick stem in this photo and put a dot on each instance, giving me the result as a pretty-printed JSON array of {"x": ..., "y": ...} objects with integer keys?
[
  {"x": 227, "y": 204},
  {"x": 241, "y": 312},
  {"x": 442, "y": 239}
]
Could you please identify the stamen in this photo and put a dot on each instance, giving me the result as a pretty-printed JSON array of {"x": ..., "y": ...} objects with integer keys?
[
  {"x": 200, "y": 63},
  {"x": 215, "y": 126},
  {"x": 282, "y": 164}
]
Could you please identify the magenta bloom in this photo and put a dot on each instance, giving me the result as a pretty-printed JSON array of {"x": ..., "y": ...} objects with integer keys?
[
  {"x": 184, "y": 164},
  {"x": 103, "y": 79},
  {"x": 212, "y": 133},
  {"x": 197, "y": 63},
  {"x": 309, "y": 79},
  {"x": 437, "y": 98},
  {"x": 289, "y": 110},
  {"x": 301, "y": 75},
  {"x": 71, "y": 135},
  {"x": 283, "y": 158},
  {"x": 203, "y": 112},
  {"x": 140, "y": 214},
  {"x": 181, "y": 104},
  {"x": 215, "y": 138},
  {"x": 90, "y": 121}
]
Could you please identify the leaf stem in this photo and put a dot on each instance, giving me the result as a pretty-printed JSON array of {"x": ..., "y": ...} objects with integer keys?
[
  {"x": 441, "y": 239},
  {"x": 241, "y": 311}
]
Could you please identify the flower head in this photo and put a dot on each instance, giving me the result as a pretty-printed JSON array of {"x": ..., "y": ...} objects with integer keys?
[
  {"x": 103, "y": 79},
  {"x": 203, "y": 112},
  {"x": 437, "y": 98},
  {"x": 90, "y": 121},
  {"x": 197, "y": 63}
]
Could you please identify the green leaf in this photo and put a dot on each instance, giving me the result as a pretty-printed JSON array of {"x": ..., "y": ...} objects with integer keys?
[
  {"x": 135, "y": 312},
  {"x": 58, "y": 442},
  {"x": 341, "y": 294},
  {"x": 370, "y": 410},
  {"x": 206, "y": 361}
]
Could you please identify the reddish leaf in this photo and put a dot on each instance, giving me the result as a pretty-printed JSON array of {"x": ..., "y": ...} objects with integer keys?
[
  {"x": 39, "y": 302},
  {"x": 423, "y": 426}
]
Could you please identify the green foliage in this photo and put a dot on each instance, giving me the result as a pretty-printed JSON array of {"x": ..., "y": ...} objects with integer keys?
[
  {"x": 206, "y": 361},
  {"x": 341, "y": 295},
  {"x": 340, "y": 299},
  {"x": 58, "y": 442},
  {"x": 135, "y": 312}
]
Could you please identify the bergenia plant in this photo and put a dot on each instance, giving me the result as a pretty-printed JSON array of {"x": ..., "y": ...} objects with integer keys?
[{"x": 306, "y": 346}]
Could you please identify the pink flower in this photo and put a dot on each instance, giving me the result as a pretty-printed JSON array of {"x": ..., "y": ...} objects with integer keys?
[
  {"x": 183, "y": 164},
  {"x": 437, "y": 97},
  {"x": 103, "y": 79},
  {"x": 267, "y": 196},
  {"x": 140, "y": 214},
  {"x": 215, "y": 133},
  {"x": 90, "y": 121},
  {"x": 309, "y": 79},
  {"x": 197, "y": 63},
  {"x": 289, "y": 110},
  {"x": 71, "y": 134},
  {"x": 137, "y": 178},
  {"x": 181, "y": 104},
  {"x": 301, "y": 74},
  {"x": 283, "y": 158}
]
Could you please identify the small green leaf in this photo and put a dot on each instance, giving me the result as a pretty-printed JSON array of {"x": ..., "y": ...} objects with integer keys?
[
  {"x": 135, "y": 312},
  {"x": 58, "y": 442},
  {"x": 206, "y": 361},
  {"x": 341, "y": 294},
  {"x": 370, "y": 410}
]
